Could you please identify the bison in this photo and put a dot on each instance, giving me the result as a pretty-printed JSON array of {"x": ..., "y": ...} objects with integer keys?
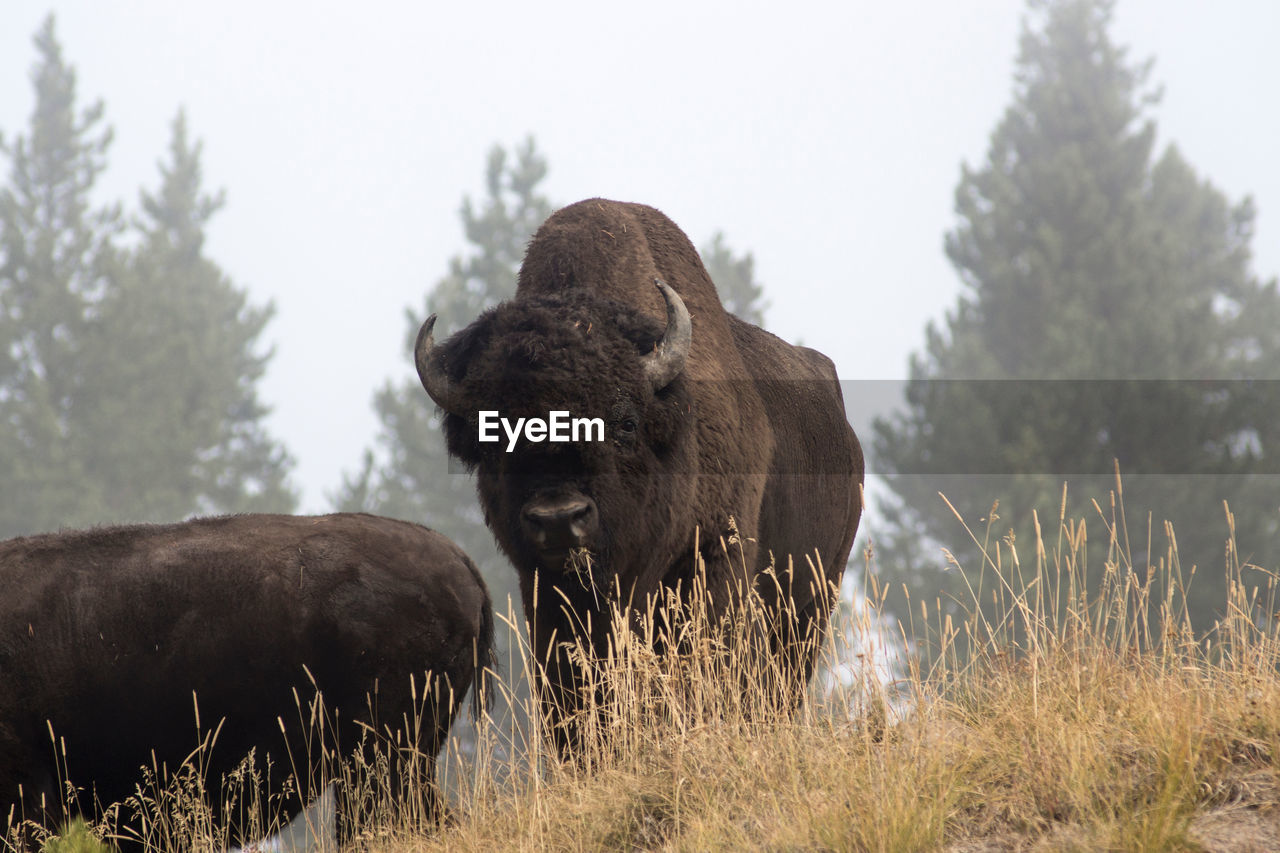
[
  {"x": 111, "y": 637},
  {"x": 712, "y": 427}
]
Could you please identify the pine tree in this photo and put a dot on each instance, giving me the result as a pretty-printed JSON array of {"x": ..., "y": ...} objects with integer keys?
[
  {"x": 113, "y": 374},
  {"x": 1116, "y": 291},
  {"x": 735, "y": 280},
  {"x": 179, "y": 363},
  {"x": 54, "y": 250}
]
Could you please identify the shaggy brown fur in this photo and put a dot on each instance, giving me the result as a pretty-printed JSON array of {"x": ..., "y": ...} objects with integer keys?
[
  {"x": 752, "y": 431},
  {"x": 106, "y": 633}
]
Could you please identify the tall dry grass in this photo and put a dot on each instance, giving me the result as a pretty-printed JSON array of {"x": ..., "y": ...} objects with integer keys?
[
  {"x": 1057, "y": 717},
  {"x": 1060, "y": 717},
  {"x": 378, "y": 788}
]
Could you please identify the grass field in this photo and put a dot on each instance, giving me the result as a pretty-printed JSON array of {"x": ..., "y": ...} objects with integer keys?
[{"x": 1065, "y": 719}]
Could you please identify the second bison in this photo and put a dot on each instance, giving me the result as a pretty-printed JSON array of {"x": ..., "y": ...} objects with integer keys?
[{"x": 109, "y": 637}]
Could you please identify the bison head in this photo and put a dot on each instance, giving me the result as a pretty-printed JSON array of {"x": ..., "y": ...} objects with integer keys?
[{"x": 611, "y": 505}]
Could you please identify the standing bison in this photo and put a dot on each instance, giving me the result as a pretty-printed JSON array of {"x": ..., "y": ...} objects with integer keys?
[
  {"x": 707, "y": 422},
  {"x": 106, "y": 634}
]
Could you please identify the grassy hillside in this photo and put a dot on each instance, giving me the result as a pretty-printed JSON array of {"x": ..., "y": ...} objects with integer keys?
[{"x": 1071, "y": 719}]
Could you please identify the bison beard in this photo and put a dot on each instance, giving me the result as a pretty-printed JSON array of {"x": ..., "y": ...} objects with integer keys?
[
  {"x": 710, "y": 422},
  {"x": 107, "y": 633}
]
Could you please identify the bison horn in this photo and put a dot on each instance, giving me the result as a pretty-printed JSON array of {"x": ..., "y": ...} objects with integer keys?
[
  {"x": 667, "y": 359},
  {"x": 430, "y": 371}
]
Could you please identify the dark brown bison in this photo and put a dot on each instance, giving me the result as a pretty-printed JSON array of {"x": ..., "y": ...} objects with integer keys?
[
  {"x": 106, "y": 634},
  {"x": 708, "y": 422}
]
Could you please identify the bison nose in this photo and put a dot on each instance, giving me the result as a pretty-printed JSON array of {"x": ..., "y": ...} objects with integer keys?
[{"x": 560, "y": 524}]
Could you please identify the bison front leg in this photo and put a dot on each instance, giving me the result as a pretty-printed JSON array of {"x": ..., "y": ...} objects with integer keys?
[
  {"x": 798, "y": 600},
  {"x": 564, "y": 631}
]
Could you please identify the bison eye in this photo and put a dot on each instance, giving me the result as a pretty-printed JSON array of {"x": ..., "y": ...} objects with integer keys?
[{"x": 625, "y": 421}]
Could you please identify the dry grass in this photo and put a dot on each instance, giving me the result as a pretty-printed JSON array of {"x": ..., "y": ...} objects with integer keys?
[
  {"x": 381, "y": 783},
  {"x": 1062, "y": 719}
]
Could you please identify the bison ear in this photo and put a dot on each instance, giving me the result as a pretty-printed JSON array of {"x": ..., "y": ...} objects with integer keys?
[{"x": 666, "y": 361}]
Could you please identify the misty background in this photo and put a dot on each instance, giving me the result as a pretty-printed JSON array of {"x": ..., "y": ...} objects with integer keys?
[
  {"x": 826, "y": 142},
  {"x": 208, "y": 288}
]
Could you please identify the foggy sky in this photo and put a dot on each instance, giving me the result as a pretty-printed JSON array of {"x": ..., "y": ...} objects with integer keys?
[{"x": 827, "y": 141}]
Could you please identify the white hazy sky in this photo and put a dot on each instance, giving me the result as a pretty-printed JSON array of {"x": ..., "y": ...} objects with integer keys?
[{"x": 824, "y": 137}]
